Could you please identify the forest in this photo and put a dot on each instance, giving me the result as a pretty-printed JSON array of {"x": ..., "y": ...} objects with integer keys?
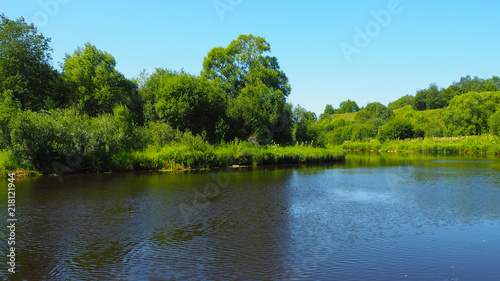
[{"x": 88, "y": 117}]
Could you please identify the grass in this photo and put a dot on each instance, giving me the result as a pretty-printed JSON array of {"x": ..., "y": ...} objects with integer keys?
[
  {"x": 9, "y": 165},
  {"x": 342, "y": 116},
  {"x": 179, "y": 156},
  {"x": 198, "y": 154},
  {"x": 431, "y": 114},
  {"x": 483, "y": 145}
]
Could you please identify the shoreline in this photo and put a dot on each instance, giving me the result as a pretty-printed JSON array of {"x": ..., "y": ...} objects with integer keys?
[{"x": 160, "y": 161}]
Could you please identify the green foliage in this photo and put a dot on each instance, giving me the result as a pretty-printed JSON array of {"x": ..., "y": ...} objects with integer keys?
[
  {"x": 261, "y": 112},
  {"x": 46, "y": 140},
  {"x": 485, "y": 145},
  {"x": 348, "y": 106},
  {"x": 199, "y": 154},
  {"x": 468, "y": 114},
  {"x": 378, "y": 110},
  {"x": 397, "y": 129},
  {"x": 424, "y": 121},
  {"x": 243, "y": 62},
  {"x": 363, "y": 132},
  {"x": 494, "y": 122},
  {"x": 329, "y": 110},
  {"x": 157, "y": 133},
  {"x": 7, "y": 163},
  {"x": 303, "y": 130},
  {"x": 91, "y": 118},
  {"x": 10, "y": 108},
  {"x": 96, "y": 86},
  {"x": 401, "y": 102},
  {"x": 256, "y": 88},
  {"x": 430, "y": 98},
  {"x": 25, "y": 64},
  {"x": 185, "y": 102}
]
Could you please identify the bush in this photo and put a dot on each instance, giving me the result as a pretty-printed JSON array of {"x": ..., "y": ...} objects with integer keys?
[
  {"x": 10, "y": 108},
  {"x": 39, "y": 139},
  {"x": 363, "y": 131},
  {"x": 494, "y": 123},
  {"x": 157, "y": 133},
  {"x": 65, "y": 140},
  {"x": 396, "y": 129}
]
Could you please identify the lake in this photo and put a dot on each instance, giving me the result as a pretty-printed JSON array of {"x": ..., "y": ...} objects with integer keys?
[{"x": 372, "y": 217}]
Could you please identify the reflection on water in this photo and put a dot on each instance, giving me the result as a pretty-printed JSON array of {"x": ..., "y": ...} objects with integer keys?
[{"x": 372, "y": 217}]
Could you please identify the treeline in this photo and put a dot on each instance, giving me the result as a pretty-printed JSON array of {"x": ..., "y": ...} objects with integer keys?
[
  {"x": 86, "y": 114},
  {"x": 470, "y": 107},
  {"x": 433, "y": 97},
  {"x": 90, "y": 117}
]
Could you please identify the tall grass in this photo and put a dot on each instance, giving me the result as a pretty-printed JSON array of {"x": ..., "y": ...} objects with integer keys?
[
  {"x": 484, "y": 145},
  {"x": 8, "y": 164},
  {"x": 181, "y": 156}
]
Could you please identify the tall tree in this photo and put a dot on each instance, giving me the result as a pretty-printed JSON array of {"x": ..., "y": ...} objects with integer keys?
[
  {"x": 348, "y": 106},
  {"x": 25, "y": 64},
  {"x": 401, "y": 102},
  {"x": 430, "y": 98},
  {"x": 470, "y": 114},
  {"x": 303, "y": 131},
  {"x": 256, "y": 87},
  {"x": 96, "y": 85},
  {"x": 329, "y": 110},
  {"x": 186, "y": 102}
]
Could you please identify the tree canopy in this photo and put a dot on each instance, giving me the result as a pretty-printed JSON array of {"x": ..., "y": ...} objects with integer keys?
[
  {"x": 25, "y": 64},
  {"x": 186, "y": 102},
  {"x": 348, "y": 106},
  {"x": 256, "y": 88},
  {"x": 96, "y": 86}
]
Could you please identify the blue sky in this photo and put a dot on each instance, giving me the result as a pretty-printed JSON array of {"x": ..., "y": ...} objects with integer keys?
[{"x": 422, "y": 42}]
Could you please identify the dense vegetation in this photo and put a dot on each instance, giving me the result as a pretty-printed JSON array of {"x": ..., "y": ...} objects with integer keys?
[{"x": 90, "y": 117}]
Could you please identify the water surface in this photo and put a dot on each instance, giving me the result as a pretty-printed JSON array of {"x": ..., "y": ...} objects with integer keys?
[{"x": 374, "y": 217}]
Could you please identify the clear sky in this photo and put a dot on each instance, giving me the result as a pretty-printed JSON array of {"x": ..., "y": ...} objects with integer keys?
[{"x": 331, "y": 51}]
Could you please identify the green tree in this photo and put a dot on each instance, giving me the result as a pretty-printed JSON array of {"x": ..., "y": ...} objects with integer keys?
[
  {"x": 303, "y": 131},
  {"x": 494, "y": 122},
  {"x": 468, "y": 84},
  {"x": 396, "y": 129},
  {"x": 469, "y": 114},
  {"x": 401, "y": 102},
  {"x": 256, "y": 88},
  {"x": 10, "y": 108},
  {"x": 348, "y": 106},
  {"x": 25, "y": 64},
  {"x": 363, "y": 132},
  {"x": 378, "y": 110},
  {"x": 329, "y": 110},
  {"x": 185, "y": 102},
  {"x": 96, "y": 86},
  {"x": 430, "y": 98}
]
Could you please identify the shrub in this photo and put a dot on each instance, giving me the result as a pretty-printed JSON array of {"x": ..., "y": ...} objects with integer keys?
[
  {"x": 396, "y": 129},
  {"x": 48, "y": 141}
]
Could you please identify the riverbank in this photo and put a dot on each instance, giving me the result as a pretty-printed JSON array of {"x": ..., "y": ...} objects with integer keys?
[
  {"x": 481, "y": 145},
  {"x": 177, "y": 156},
  {"x": 181, "y": 156}
]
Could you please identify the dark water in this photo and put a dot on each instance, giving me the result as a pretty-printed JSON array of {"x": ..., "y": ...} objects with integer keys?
[{"x": 374, "y": 217}]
